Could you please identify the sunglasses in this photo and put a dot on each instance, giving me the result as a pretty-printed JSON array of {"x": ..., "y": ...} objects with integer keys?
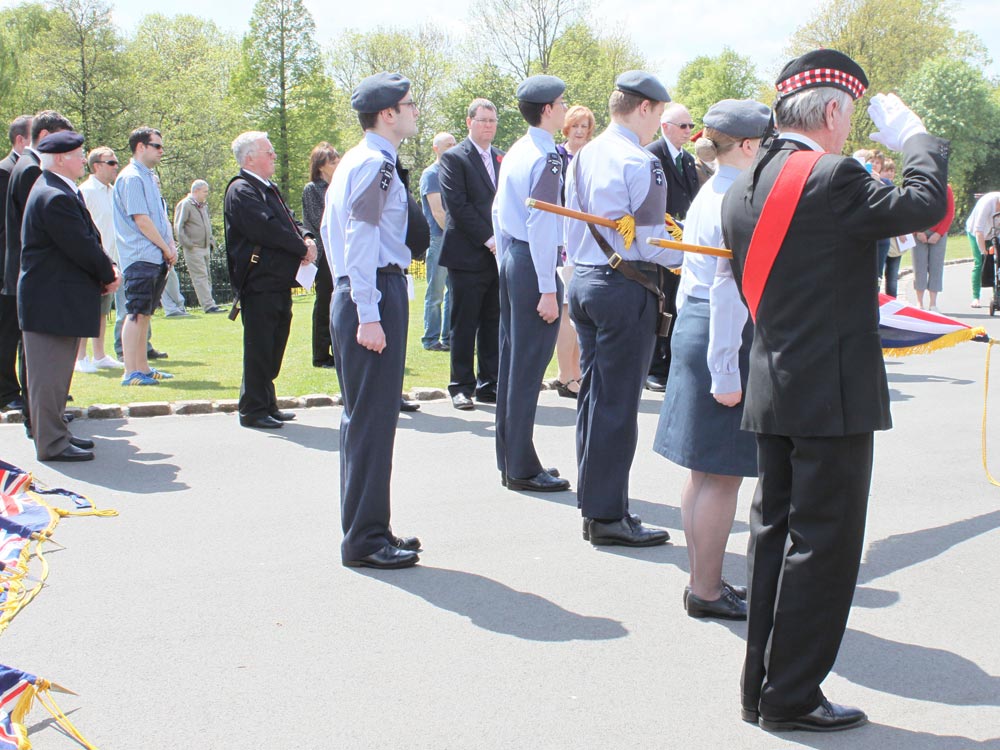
[
  {"x": 682, "y": 126},
  {"x": 157, "y": 146},
  {"x": 109, "y": 163}
]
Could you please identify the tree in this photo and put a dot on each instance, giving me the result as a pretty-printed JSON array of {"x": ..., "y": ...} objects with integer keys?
[
  {"x": 709, "y": 79},
  {"x": 20, "y": 29},
  {"x": 485, "y": 80}
]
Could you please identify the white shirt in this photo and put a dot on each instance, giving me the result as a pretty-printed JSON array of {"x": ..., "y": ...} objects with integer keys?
[
  {"x": 98, "y": 197},
  {"x": 981, "y": 218}
]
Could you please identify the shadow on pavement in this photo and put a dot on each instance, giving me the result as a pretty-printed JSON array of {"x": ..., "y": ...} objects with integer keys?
[
  {"x": 884, "y": 736},
  {"x": 324, "y": 439}
]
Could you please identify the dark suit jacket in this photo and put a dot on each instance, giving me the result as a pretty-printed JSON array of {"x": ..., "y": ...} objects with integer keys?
[
  {"x": 256, "y": 218},
  {"x": 22, "y": 178},
  {"x": 681, "y": 188},
  {"x": 6, "y": 167},
  {"x": 467, "y": 192},
  {"x": 816, "y": 366},
  {"x": 63, "y": 265}
]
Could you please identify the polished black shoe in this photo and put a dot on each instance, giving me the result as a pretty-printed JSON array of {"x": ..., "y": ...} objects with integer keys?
[
  {"x": 283, "y": 416},
  {"x": 627, "y": 533},
  {"x": 67, "y": 417},
  {"x": 329, "y": 364},
  {"x": 81, "y": 443},
  {"x": 410, "y": 543},
  {"x": 656, "y": 384},
  {"x": 586, "y": 525},
  {"x": 827, "y": 717},
  {"x": 487, "y": 397},
  {"x": 740, "y": 591},
  {"x": 71, "y": 453},
  {"x": 541, "y": 482},
  {"x": 564, "y": 390},
  {"x": 387, "y": 558},
  {"x": 406, "y": 405},
  {"x": 749, "y": 715},
  {"x": 727, "y": 607},
  {"x": 462, "y": 402},
  {"x": 153, "y": 354},
  {"x": 262, "y": 423}
]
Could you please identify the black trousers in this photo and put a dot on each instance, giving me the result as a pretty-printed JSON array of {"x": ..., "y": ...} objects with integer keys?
[
  {"x": 10, "y": 337},
  {"x": 475, "y": 329},
  {"x": 807, "y": 527},
  {"x": 321, "y": 343},
  {"x": 370, "y": 385},
  {"x": 660, "y": 366},
  {"x": 267, "y": 319},
  {"x": 526, "y": 346}
]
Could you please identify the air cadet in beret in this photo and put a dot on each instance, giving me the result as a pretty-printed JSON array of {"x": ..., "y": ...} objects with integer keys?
[
  {"x": 816, "y": 389},
  {"x": 529, "y": 247},
  {"x": 616, "y": 317},
  {"x": 364, "y": 232}
]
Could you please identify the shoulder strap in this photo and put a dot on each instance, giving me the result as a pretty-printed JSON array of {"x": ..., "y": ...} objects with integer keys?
[{"x": 772, "y": 226}]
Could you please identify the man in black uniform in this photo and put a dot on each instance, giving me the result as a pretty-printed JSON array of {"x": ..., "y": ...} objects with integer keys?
[
  {"x": 265, "y": 245},
  {"x": 817, "y": 386},
  {"x": 10, "y": 389}
]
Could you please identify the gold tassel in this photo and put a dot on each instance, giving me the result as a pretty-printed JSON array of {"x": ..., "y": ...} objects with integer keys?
[
  {"x": 40, "y": 690},
  {"x": 948, "y": 340},
  {"x": 626, "y": 228}
]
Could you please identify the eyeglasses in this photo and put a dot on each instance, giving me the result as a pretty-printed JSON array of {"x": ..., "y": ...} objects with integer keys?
[
  {"x": 109, "y": 163},
  {"x": 157, "y": 146},
  {"x": 681, "y": 125},
  {"x": 410, "y": 103},
  {"x": 492, "y": 121}
]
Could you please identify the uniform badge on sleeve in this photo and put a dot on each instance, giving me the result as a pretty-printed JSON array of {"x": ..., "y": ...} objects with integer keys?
[
  {"x": 555, "y": 164},
  {"x": 658, "y": 176},
  {"x": 386, "y": 173}
]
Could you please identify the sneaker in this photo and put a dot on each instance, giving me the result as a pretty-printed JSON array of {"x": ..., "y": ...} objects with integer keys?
[
  {"x": 975, "y": 303},
  {"x": 84, "y": 365},
  {"x": 158, "y": 374},
  {"x": 934, "y": 309},
  {"x": 107, "y": 362},
  {"x": 177, "y": 314},
  {"x": 139, "y": 378},
  {"x": 216, "y": 309}
]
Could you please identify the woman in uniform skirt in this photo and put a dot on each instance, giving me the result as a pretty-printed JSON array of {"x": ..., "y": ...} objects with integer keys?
[{"x": 699, "y": 425}]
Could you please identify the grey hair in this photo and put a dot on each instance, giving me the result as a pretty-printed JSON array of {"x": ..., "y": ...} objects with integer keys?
[
  {"x": 47, "y": 160},
  {"x": 245, "y": 143},
  {"x": 477, "y": 104},
  {"x": 198, "y": 184},
  {"x": 440, "y": 138},
  {"x": 806, "y": 110}
]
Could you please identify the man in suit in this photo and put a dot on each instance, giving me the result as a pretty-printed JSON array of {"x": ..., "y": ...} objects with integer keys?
[
  {"x": 682, "y": 185},
  {"x": 64, "y": 272},
  {"x": 10, "y": 389},
  {"x": 265, "y": 246},
  {"x": 816, "y": 389},
  {"x": 22, "y": 179},
  {"x": 468, "y": 175}
]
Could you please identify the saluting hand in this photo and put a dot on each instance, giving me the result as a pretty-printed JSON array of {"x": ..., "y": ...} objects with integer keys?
[
  {"x": 729, "y": 399},
  {"x": 371, "y": 336},
  {"x": 548, "y": 307}
]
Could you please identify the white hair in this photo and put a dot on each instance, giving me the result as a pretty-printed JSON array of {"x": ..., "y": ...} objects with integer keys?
[
  {"x": 806, "y": 110},
  {"x": 47, "y": 160},
  {"x": 198, "y": 185},
  {"x": 245, "y": 143}
]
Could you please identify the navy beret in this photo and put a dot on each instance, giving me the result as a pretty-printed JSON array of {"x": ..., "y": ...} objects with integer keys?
[
  {"x": 822, "y": 67},
  {"x": 60, "y": 143},
  {"x": 643, "y": 84},
  {"x": 380, "y": 91},
  {"x": 540, "y": 89},
  {"x": 740, "y": 118}
]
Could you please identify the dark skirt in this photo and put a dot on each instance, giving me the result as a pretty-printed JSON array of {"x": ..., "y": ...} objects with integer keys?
[{"x": 696, "y": 431}]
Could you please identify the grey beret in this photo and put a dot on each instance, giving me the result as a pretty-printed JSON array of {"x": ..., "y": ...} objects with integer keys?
[
  {"x": 60, "y": 143},
  {"x": 740, "y": 118},
  {"x": 380, "y": 91},
  {"x": 643, "y": 84},
  {"x": 540, "y": 89}
]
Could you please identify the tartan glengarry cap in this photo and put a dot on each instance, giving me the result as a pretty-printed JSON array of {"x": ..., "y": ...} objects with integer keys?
[
  {"x": 60, "y": 143},
  {"x": 540, "y": 89},
  {"x": 378, "y": 92},
  {"x": 822, "y": 67},
  {"x": 641, "y": 83}
]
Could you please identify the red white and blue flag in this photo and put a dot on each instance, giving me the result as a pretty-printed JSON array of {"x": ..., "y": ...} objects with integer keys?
[{"x": 908, "y": 330}]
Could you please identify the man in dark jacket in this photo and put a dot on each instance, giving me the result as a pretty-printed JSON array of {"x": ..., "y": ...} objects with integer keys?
[{"x": 266, "y": 246}]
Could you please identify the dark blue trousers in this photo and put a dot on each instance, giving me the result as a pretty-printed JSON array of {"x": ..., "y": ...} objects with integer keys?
[
  {"x": 370, "y": 385},
  {"x": 267, "y": 320},
  {"x": 526, "y": 346},
  {"x": 615, "y": 322}
]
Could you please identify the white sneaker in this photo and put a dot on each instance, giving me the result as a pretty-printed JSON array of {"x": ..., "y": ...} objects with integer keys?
[
  {"x": 107, "y": 362},
  {"x": 84, "y": 365},
  {"x": 934, "y": 309}
]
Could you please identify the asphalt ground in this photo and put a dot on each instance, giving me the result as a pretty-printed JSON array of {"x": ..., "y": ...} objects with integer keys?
[{"x": 214, "y": 612}]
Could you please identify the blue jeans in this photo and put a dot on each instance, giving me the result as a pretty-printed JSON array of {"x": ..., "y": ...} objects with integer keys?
[{"x": 437, "y": 325}]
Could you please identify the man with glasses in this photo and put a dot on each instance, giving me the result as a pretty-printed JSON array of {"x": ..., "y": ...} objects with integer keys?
[{"x": 145, "y": 248}]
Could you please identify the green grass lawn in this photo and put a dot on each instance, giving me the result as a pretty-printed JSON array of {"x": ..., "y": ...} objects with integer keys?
[{"x": 958, "y": 247}]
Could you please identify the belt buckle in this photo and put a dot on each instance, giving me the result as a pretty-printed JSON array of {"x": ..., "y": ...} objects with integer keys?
[
  {"x": 254, "y": 257},
  {"x": 615, "y": 260}
]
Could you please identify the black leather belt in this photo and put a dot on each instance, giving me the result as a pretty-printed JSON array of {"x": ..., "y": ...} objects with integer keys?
[{"x": 391, "y": 270}]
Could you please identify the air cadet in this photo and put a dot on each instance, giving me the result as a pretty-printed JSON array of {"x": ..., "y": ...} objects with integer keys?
[
  {"x": 529, "y": 245},
  {"x": 364, "y": 230},
  {"x": 613, "y": 302}
]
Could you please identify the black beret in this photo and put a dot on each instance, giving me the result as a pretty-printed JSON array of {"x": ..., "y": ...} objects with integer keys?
[
  {"x": 822, "y": 67},
  {"x": 378, "y": 92},
  {"x": 540, "y": 89},
  {"x": 740, "y": 118},
  {"x": 643, "y": 84},
  {"x": 60, "y": 143}
]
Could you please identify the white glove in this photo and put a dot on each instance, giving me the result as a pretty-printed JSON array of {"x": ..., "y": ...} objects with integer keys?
[{"x": 895, "y": 121}]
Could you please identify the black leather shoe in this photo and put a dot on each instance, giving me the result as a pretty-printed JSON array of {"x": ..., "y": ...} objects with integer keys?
[
  {"x": 749, "y": 715},
  {"x": 387, "y": 558},
  {"x": 541, "y": 482},
  {"x": 487, "y": 397},
  {"x": 727, "y": 607},
  {"x": 462, "y": 402},
  {"x": 71, "y": 453},
  {"x": 553, "y": 471},
  {"x": 627, "y": 533},
  {"x": 410, "y": 543},
  {"x": 827, "y": 717},
  {"x": 740, "y": 591},
  {"x": 153, "y": 354},
  {"x": 67, "y": 417},
  {"x": 406, "y": 405},
  {"x": 263, "y": 423},
  {"x": 564, "y": 390},
  {"x": 656, "y": 384},
  {"x": 325, "y": 363},
  {"x": 283, "y": 416},
  {"x": 586, "y": 524},
  {"x": 81, "y": 443}
]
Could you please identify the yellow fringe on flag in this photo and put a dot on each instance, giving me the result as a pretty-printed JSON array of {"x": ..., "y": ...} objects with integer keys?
[
  {"x": 986, "y": 393},
  {"x": 674, "y": 228},
  {"x": 949, "y": 339},
  {"x": 40, "y": 690},
  {"x": 626, "y": 228}
]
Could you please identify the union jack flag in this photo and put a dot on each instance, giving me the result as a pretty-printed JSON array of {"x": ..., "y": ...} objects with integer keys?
[
  {"x": 8, "y": 737},
  {"x": 909, "y": 330},
  {"x": 13, "y": 481}
]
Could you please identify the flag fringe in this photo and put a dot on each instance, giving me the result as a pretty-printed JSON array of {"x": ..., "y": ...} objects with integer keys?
[
  {"x": 41, "y": 691},
  {"x": 942, "y": 342}
]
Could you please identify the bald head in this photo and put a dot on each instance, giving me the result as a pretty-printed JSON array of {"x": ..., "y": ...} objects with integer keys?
[{"x": 673, "y": 121}]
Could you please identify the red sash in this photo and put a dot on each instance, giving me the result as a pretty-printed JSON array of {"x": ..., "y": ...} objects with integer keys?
[{"x": 772, "y": 226}]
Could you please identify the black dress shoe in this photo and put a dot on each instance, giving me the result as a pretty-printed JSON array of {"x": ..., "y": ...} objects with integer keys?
[
  {"x": 541, "y": 482},
  {"x": 81, "y": 443},
  {"x": 586, "y": 526},
  {"x": 564, "y": 390},
  {"x": 740, "y": 591},
  {"x": 749, "y": 715},
  {"x": 727, "y": 607},
  {"x": 67, "y": 417},
  {"x": 411, "y": 543},
  {"x": 406, "y": 405},
  {"x": 153, "y": 354},
  {"x": 656, "y": 384},
  {"x": 487, "y": 397},
  {"x": 326, "y": 363},
  {"x": 627, "y": 533},
  {"x": 263, "y": 423},
  {"x": 826, "y": 717},
  {"x": 71, "y": 453},
  {"x": 388, "y": 557},
  {"x": 462, "y": 402},
  {"x": 283, "y": 416}
]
